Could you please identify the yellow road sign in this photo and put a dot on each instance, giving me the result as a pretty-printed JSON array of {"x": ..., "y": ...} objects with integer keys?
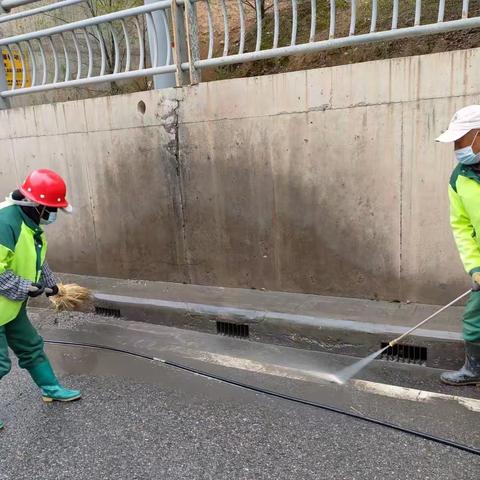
[{"x": 19, "y": 73}]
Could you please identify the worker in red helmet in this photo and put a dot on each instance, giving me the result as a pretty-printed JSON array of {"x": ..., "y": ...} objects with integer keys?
[{"x": 24, "y": 274}]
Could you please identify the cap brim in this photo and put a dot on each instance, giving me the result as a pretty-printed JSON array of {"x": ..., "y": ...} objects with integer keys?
[
  {"x": 68, "y": 209},
  {"x": 452, "y": 135}
]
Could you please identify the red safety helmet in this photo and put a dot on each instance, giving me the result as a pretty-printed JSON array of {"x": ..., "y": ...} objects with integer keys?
[{"x": 46, "y": 188}]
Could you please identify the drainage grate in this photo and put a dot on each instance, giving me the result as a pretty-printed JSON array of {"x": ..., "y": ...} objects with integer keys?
[
  {"x": 233, "y": 330},
  {"x": 108, "y": 312},
  {"x": 405, "y": 354}
]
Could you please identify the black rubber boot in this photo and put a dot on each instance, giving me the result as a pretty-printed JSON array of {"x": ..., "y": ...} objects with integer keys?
[{"x": 469, "y": 374}]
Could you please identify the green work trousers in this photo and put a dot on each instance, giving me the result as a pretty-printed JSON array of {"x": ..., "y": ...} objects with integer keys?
[
  {"x": 471, "y": 318},
  {"x": 24, "y": 340}
]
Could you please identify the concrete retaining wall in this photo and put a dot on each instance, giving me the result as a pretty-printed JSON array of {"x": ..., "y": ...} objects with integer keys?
[{"x": 324, "y": 181}]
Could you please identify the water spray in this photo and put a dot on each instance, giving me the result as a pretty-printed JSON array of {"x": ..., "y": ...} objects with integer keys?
[{"x": 347, "y": 373}]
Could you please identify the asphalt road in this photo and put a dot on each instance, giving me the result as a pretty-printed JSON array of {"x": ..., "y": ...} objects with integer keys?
[{"x": 172, "y": 425}]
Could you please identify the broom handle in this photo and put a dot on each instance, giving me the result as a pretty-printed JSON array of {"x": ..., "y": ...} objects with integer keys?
[{"x": 438, "y": 312}]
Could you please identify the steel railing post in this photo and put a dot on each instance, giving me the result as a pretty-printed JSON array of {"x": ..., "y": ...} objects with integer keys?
[
  {"x": 192, "y": 40},
  {"x": 4, "y": 102},
  {"x": 159, "y": 40},
  {"x": 180, "y": 46}
]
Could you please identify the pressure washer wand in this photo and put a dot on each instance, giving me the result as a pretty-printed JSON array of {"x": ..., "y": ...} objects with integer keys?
[{"x": 423, "y": 322}]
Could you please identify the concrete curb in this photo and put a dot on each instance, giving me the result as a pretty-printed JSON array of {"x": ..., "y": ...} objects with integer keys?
[
  {"x": 346, "y": 326},
  {"x": 322, "y": 333}
]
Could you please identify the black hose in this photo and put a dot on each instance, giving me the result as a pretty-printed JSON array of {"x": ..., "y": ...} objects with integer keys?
[{"x": 245, "y": 386}]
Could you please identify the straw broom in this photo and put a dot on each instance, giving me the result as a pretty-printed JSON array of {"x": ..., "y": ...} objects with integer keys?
[{"x": 70, "y": 297}]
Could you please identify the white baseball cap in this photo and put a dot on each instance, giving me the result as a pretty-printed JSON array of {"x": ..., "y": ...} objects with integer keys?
[{"x": 463, "y": 121}]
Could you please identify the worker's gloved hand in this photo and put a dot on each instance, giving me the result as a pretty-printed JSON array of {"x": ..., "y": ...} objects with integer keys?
[
  {"x": 476, "y": 282},
  {"x": 35, "y": 290},
  {"x": 51, "y": 291}
]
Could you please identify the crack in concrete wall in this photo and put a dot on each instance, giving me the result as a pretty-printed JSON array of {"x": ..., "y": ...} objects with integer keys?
[{"x": 172, "y": 128}]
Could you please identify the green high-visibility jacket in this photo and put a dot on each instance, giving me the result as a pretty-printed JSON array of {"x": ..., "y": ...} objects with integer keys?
[
  {"x": 464, "y": 194},
  {"x": 23, "y": 248}
]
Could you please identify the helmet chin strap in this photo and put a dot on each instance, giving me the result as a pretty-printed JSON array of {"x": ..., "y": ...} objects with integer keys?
[
  {"x": 38, "y": 208},
  {"x": 40, "y": 211},
  {"x": 21, "y": 203},
  {"x": 29, "y": 203}
]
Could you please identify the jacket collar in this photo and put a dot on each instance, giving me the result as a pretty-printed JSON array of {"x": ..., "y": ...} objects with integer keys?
[
  {"x": 28, "y": 221},
  {"x": 470, "y": 172}
]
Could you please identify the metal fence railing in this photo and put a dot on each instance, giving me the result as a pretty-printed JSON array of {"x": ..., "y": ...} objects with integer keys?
[
  {"x": 38, "y": 10},
  {"x": 102, "y": 49},
  {"x": 278, "y": 34},
  {"x": 213, "y": 33},
  {"x": 7, "y": 5}
]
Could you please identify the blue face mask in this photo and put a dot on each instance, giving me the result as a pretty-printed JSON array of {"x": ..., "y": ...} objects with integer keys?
[
  {"x": 52, "y": 217},
  {"x": 466, "y": 155}
]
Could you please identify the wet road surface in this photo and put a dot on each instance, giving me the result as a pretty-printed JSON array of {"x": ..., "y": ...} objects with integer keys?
[{"x": 143, "y": 420}]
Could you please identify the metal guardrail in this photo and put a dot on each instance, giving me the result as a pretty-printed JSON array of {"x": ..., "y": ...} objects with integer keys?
[
  {"x": 52, "y": 66},
  {"x": 101, "y": 49},
  {"x": 39, "y": 10},
  {"x": 7, "y": 5},
  {"x": 333, "y": 37}
]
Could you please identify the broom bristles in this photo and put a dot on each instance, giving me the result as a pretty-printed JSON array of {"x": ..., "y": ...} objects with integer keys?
[{"x": 70, "y": 297}]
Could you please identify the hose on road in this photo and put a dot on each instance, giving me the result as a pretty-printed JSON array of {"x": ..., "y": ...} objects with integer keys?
[{"x": 270, "y": 393}]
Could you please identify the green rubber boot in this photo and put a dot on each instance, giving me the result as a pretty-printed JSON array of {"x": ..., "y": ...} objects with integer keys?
[
  {"x": 46, "y": 380},
  {"x": 1, "y": 425}
]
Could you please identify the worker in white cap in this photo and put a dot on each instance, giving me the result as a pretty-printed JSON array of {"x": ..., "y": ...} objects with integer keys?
[{"x": 464, "y": 194}]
